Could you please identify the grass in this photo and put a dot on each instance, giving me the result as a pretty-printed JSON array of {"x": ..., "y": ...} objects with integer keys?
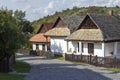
[
  {"x": 114, "y": 69},
  {"x": 6, "y": 76},
  {"x": 78, "y": 63},
  {"x": 59, "y": 58},
  {"x": 19, "y": 66}
]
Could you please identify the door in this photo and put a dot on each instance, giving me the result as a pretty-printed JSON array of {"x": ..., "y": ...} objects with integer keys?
[
  {"x": 43, "y": 47},
  {"x": 91, "y": 48}
]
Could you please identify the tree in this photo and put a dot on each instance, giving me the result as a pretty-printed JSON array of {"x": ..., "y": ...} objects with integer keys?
[
  {"x": 23, "y": 24},
  {"x": 10, "y": 36}
]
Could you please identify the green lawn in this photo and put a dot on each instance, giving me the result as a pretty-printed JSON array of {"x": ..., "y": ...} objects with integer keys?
[
  {"x": 59, "y": 58},
  {"x": 114, "y": 69},
  {"x": 19, "y": 67},
  {"x": 5, "y": 76}
]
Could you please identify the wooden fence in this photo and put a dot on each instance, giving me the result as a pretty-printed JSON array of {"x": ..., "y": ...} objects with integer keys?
[
  {"x": 6, "y": 63},
  {"x": 94, "y": 60}
]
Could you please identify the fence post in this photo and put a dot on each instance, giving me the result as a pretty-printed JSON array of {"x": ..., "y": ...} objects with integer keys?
[
  {"x": 115, "y": 65},
  {"x": 90, "y": 59},
  {"x": 81, "y": 58},
  {"x": 96, "y": 60}
]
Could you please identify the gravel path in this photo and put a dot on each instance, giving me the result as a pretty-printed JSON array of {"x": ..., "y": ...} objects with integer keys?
[{"x": 52, "y": 69}]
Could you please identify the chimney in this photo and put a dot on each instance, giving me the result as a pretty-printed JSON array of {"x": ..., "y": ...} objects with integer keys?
[{"x": 110, "y": 12}]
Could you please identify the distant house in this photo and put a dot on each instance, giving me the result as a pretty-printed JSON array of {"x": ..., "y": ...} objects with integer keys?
[
  {"x": 62, "y": 28},
  {"x": 98, "y": 34},
  {"x": 39, "y": 41}
]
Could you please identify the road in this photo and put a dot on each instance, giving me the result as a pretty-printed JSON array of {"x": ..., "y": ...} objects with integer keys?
[{"x": 53, "y": 69}]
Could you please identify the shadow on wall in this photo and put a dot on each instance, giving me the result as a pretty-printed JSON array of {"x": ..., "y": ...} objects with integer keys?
[
  {"x": 56, "y": 48},
  {"x": 63, "y": 72}
]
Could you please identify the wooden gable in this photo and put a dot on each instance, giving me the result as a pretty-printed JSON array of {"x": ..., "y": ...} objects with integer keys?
[
  {"x": 59, "y": 23},
  {"x": 42, "y": 29},
  {"x": 45, "y": 27},
  {"x": 88, "y": 24}
]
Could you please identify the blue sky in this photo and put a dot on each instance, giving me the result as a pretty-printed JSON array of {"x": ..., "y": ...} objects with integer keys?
[{"x": 36, "y": 9}]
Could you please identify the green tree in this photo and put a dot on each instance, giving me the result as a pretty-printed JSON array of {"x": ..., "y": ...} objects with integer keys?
[
  {"x": 10, "y": 36},
  {"x": 23, "y": 24}
]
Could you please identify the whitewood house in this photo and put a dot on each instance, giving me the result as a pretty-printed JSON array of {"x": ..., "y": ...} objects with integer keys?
[
  {"x": 62, "y": 28},
  {"x": 98, "y": 34},
  {"x": 39, "y": 41}
]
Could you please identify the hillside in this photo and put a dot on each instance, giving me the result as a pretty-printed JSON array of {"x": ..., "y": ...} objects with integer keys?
[{"x": 75, "y": 11}]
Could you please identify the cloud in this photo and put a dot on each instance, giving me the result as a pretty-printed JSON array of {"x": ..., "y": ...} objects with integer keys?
[
  {"x": 27, "y": 8},
  {"x": 39, "y": 8},
  {"x": 16, "y": 1}
]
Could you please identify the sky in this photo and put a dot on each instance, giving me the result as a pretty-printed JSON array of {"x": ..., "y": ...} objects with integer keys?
[{"x": 36, "y": 9}]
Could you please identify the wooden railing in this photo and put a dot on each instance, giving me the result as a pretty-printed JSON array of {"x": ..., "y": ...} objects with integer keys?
[{"x": 94, "y": 60}]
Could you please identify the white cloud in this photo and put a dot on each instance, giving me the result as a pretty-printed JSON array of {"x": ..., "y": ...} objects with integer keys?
[
  {"x": 28, "y": 7},
  {"x": 16, "y": 1},
  {"x": 51, "y": 6}
]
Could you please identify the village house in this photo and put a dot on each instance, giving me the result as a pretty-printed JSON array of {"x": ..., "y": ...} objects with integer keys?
[
  {"x": 62, "y": 28},
  {"x": 98, "y": 34},
  {"x": 39, "y": 41}
]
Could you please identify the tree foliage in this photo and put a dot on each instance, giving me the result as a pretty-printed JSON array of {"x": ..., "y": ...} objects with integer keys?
[{"x": 11, "y": 37}]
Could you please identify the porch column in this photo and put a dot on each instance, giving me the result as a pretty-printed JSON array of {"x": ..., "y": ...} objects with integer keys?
[
  {"x": 67, "y": 45},
  {"x": 80, "y": 47},
  {"x": 115, "y": 48},
  {"x": 103, "y": 49}
]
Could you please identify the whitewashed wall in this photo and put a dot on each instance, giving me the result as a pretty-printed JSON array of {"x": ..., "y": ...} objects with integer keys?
[
  {"x": 73, "y": 46},
  {"x": 40, "y": 46},
  {"x": 58, "y": 44},
  {"x": 109, "y": 47}
]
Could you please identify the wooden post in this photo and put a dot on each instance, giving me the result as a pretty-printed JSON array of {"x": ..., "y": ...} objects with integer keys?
[
  {"x": 81, "y": 57},
  {"x": 96, "y": 60},
  {"x": 115, "y": 63},
  {"x": 90, "y": 59}
]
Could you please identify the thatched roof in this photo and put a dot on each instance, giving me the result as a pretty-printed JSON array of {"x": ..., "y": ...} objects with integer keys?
[
  {"x": 84, "y": 35},
  {"x": 108, "y": 25},
  {"x": 72, "y": 23},
  {"x": 60, "y": 31}
]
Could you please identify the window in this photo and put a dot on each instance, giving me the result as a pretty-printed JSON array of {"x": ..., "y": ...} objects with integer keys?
[
  {"x": 43, "y": 47},
  {"x": 90, "y": 48},
  {"x": 37, "y": 46},
  {"x": 82, "y": 47},
  {"x": 78, "y": 46}
]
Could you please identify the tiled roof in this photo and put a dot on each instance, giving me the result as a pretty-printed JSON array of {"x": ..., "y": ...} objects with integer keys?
[
  {"x": 107, "y": 24},
  {"x": 39, "y": 38}
]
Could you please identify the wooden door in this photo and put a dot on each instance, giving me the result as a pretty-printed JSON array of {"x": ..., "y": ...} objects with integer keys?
[{"x": 91, "y": 48}]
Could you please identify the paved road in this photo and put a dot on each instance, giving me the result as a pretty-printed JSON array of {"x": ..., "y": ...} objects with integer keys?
[{"x": 52, "y": 69}]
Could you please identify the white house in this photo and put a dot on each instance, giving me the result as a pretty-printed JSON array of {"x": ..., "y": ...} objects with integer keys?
[
  {"x": 98, "y": 34},
  {"x": 62, "y": 28},
  {"x": 39, "y": 41}
]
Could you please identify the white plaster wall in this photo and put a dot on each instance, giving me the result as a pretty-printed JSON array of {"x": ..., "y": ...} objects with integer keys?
[
  {"x": 109, "y": 47},
  {"x": 98, "y": 49},
  {"x": 118, "y": 49},
  {"x": 85, "y": 48},
  {"x": 58, "y": 44},
  {"x": 40, "y": 46},
  {"x": 73, "y": 46},
  {"x": 34, "y": 46}
]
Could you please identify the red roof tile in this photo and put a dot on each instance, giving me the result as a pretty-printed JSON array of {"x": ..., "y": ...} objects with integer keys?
[{"x": 39, "y": 38}]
